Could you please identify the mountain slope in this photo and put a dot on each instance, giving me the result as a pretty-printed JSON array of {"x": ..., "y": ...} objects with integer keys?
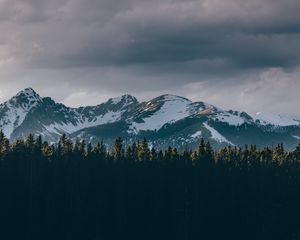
[
  {"x": 165, "y": 120},
  {"x": 50, "y": 119},
  {"x": 14, "y": 111}
]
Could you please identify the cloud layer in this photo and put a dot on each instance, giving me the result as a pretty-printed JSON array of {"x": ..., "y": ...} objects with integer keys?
[{"x": 233, "y": 53}]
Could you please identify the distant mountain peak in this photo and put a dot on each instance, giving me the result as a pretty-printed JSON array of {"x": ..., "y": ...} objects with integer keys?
[
  {"x": 28, "y": 92},
  {"x": 125, "y": 99},
  {"x": 165, "y": 120},
  {"x": 172, "y": 97},
  {"x": 14, "y": 111},
  {"x": 266, "y": 118},
  {"x": 27, "y": 95}
]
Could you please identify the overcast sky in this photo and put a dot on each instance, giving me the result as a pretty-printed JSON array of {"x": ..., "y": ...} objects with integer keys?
[{"x": 235, "y": 54}]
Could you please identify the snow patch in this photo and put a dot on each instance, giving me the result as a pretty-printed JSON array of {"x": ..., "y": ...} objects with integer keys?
[
  {"x": 216, "y": 135},
  {"x": 116, "y": 100},
  {"x": 59, "y": 128},
  {"x": 196, "y": 134},
  {"x": 126, "y": 99},
  {"x": 173, "y": 109},
  {"x": 229, "y": 118},
  {"x": 278, "y": 120}
]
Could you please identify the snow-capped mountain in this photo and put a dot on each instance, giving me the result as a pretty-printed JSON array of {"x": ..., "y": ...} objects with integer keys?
[
  {"x": 165, "y": 120},
  {"x": 14, "y": 111},
  {"x": 154, "y": 114},
  {"x": 27, "y": 113},
  {"x": 266, "y": 118}
]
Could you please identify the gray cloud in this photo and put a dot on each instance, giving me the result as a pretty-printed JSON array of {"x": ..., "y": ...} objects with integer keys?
[{"x": 100, "y": 48}]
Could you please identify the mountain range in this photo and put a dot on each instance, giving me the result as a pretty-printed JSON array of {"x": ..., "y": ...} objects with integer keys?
[{"x": 165, "y": 120}]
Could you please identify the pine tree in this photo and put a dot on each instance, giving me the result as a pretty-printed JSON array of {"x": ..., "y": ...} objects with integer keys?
[
  {"x": 279, "y": 155},
  {"x": 144, "y": 151},
  {"x": 89, "y": 150},
  {"x": 129, "y": 155},
  {"x": 118, "y": 151},
  {"x": 135, "y": 152},
  {"x": 153, "y": 155},
  {"x": 30, "y": 142},
  {"x": 194, "y": 158},
  {"x": 4, "y": 145},
  {"x": 175, "y": 156}
]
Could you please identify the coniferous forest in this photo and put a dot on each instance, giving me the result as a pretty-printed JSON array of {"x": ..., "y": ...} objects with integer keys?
[{"x": 72, "y": 190}]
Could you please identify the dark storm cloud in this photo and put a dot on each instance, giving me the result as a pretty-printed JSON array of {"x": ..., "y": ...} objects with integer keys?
[
  {"x": 148, "y": 47},
  {"x": 60, "y": 34}
]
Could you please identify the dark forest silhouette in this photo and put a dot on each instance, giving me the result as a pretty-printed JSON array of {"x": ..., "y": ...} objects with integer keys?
[{"x": 78, "y": 191}]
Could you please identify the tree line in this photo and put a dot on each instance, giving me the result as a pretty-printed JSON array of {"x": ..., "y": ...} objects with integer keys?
[{"x": 73, "y": 190}]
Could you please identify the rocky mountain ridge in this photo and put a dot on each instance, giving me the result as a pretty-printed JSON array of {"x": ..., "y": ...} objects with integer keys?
[{"x": 165, "y": 120}]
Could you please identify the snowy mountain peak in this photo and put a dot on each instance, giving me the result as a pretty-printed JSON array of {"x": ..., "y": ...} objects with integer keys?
[
  {"x": 266, "y": 118},
  {"x": 26, "y": 98},
  {"x": 167, "y": 119},
  {"x": 124, "y": 99},
  {"x": 27, "y": 91},
  {"x": 14, "y": 111},
  {"x": 171, "y": 97},
  {"x": 165, "y": 109}
]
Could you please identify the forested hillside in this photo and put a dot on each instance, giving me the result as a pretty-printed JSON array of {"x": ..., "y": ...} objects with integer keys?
[{"x": 73, "y": 190}]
